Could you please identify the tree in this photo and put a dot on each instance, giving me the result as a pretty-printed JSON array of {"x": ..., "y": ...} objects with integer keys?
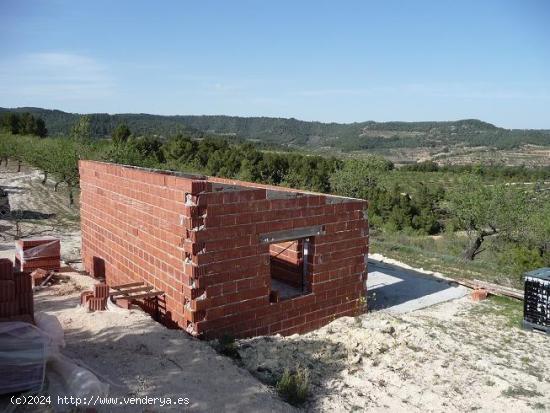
[
  {"x": 356, "y": 179},
  {"x": 65, "y": 154},
  {"x": 148, "y": 147},
  {"x": 179, "y": 149},
  {"x": 82, "y": 129},
  {"x": 487, "y": 211},
  {"x": 121, "y": 134},
  {"x": 40, "y": 128},
  {"x": 27, "y": 124},
  {"x": 11, "y": 123}
]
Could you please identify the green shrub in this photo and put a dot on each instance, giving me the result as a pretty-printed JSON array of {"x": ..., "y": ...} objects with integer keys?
[
  {"x": 294, "y": 386},
  {"x": 518, "y": 259},
  {"x": 228, "y": 347}
]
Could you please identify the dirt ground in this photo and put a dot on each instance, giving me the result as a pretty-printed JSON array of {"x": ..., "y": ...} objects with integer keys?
[{"x": 455, "y": 356}]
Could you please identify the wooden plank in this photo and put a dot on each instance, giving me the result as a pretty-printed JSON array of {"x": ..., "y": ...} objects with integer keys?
[
  {"x": 118, "y": 287},
  {"x": 124, "y": 292},
  {"x": 501, "y": 290},
  {"x": 493, "y": 289},
  {"x": 150, "y": 294}
]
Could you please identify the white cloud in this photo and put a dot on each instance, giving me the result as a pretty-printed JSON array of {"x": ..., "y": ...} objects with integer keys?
[{"x": 54, "y": 77}]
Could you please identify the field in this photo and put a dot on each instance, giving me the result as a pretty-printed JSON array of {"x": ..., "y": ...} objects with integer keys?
[{"x": 528, "y": 155}]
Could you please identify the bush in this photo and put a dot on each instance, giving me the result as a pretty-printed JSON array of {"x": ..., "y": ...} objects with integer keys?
[
  {"x": 294, "y": 386},
  {"x": 519, "y": 259},
  {"x": 228, "y": 347}
]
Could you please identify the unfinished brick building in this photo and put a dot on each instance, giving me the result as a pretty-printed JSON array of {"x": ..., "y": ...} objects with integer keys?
[{"x": 231, "y": 257}]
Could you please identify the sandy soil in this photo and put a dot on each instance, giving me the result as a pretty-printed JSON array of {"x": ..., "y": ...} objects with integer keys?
[
  {"x": 38, "y": 210},
  {"x": 456, "y": 356}
]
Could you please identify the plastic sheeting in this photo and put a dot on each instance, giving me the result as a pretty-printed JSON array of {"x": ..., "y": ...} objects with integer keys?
[
  {"x": 23, "y": 353},
  {"x": 46, "y": 250}
]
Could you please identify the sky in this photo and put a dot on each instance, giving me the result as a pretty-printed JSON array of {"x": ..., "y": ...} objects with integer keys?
[{"x": 331, "y": 61}]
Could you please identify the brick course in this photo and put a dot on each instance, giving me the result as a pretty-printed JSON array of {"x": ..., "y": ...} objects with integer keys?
[{"x": 198, "y": 239}]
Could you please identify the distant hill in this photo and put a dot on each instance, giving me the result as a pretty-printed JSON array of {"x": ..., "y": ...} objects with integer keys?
[{"x": 302, "y": 134}]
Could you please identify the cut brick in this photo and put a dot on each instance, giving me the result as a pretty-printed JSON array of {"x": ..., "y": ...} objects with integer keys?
[
  {"x": 97, "y": 304},
  {"x": 479, "y": 294},
  {"x": 39, "y": 275},
  {"x": 124, "y": 303},
  {"x": 85, "y": 297},
  {"x": 101, "y": 290}
]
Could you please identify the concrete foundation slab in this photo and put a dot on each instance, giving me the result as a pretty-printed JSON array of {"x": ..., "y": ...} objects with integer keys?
[{"x": 398, "y": 290}]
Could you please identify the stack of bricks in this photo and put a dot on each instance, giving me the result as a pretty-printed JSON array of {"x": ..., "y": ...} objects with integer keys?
[
  {"x": 96, "y": 300},
  {"x": 16, "y": 297},
  {"x": 34, "y": 253},
  {"x": 202, "y": 241}
]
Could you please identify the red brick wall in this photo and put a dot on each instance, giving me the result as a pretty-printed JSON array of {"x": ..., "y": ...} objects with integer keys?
[{"x": 199, "y": 241}]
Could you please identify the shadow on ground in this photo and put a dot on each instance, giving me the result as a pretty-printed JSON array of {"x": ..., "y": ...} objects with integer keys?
[
  {"x": 139, "y": 357},
  {"x": 25, "y": 214}
]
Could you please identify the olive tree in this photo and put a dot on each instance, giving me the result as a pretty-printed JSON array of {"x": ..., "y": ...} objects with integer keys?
[{"x": 486, "y": 211}]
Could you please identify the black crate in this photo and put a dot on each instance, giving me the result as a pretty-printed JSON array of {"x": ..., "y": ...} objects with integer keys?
[{"x": 536, "y": 303}]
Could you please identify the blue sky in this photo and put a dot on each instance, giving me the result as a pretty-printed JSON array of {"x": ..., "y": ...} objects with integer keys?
[{"x": 339, "y": 61}]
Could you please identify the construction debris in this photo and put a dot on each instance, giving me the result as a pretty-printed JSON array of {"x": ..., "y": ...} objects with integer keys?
[
  {"x": 96, "y": 300},
  {"x": 492, "y": 289},
  {"x": 479, "y": 294},
  {"x": 126, "y": 294}
]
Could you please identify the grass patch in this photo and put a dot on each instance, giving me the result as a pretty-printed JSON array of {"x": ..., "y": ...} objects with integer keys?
[
  {"x": 507, "y": 309},
  {"x": 227, "y": 346},
  {"x": 518, "y": 391},
  {"x": 293, "y": 386},
  {"x": 443, "y": 254}
]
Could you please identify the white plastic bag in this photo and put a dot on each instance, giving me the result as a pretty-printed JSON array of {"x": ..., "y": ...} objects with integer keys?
[
  {"x": 23, "y": 354},
  {"x": 50, "y": 325},
  {"x": 77, "y": 381}
]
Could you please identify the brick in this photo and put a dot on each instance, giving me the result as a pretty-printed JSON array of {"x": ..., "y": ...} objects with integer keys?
[
  {"x": 38, "y": 276},
  {"x": 6, "y": 269},
  {"x": 101, "y": 290},
  {"x": 85, "y": 296},
  {"x": 9, "y": 309},
  {"x": 124, "y": 303},
  {"x": 7, "y": 290},
  {"x": 479, "y": 294},
  {"x": 97, "y": 304}
]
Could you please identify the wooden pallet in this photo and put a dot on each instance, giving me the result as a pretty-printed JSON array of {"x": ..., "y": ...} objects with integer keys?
[{"x": 134, "y": 291}]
